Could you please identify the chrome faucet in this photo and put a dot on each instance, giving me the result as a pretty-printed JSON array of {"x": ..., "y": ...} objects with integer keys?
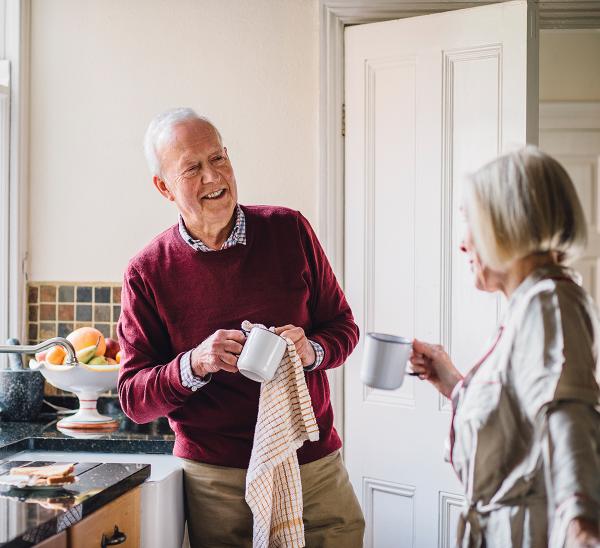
[{"x": 34, "y": 349}]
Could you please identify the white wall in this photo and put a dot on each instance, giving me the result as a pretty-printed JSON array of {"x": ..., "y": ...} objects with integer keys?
[
  {"x": 570, "y": 65},
  {"x": 100, "y": 69}
]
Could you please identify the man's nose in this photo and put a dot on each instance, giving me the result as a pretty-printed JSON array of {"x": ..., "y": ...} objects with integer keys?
[{"x": 209, "y": 175}]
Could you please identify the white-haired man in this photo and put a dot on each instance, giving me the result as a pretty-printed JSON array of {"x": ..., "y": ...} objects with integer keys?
[{"x": 184, "y": 298}]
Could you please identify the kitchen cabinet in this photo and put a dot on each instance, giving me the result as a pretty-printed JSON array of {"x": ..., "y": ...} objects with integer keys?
[{"x": 122, "y": 513}]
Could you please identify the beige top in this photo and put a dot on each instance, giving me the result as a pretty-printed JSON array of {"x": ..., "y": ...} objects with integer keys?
[{"x": 525, "y": 439}]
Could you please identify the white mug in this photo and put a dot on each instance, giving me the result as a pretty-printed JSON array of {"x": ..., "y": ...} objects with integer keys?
[
  {"x": 384, "y": 361},
  {"x": 261, "y": 355}
]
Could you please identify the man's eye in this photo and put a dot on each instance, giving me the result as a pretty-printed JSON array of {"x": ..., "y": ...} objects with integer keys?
[
  {"x": 191, "y": 170},
  {"x": 218, "y": 158}
]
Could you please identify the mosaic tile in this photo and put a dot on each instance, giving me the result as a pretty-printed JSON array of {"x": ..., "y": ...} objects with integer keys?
[
  {"x": 48, "y": 294},
  {"x": 47, "y": 331},
  {"x": 116, "y": 295},
  {"x": 66, "y": 294},
  {"x": 33, "y": 313},
  {"x": 83, "y": 312},
  {"x": 101, "y": 313},
  {"x": 66, "y": 312},
  {"x": 47, "y": 312},
  {"x": 64, "y": 329},
  {"x": 102, "y": 294},
  {"x": 84, "y": 294},
  {"x": 32, "y": 294},
  {"x": 104, "y": 328}
]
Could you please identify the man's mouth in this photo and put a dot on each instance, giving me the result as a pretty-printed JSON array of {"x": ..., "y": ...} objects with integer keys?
[{"x": 215, "y": 195}]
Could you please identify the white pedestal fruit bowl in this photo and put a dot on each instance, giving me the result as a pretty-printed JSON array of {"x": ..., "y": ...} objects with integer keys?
[{"x": 87, "y": 382}]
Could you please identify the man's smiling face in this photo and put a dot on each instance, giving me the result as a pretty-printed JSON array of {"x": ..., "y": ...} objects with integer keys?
[{"x": 197, "y": 175}]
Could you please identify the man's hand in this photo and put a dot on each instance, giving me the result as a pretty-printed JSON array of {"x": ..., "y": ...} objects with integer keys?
[
  {"x": 303, "y": 347},
  {"x": 219, "y": 351}
]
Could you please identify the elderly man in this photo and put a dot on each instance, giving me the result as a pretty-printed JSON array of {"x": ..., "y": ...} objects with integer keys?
[{"x": 184, "y": 298}]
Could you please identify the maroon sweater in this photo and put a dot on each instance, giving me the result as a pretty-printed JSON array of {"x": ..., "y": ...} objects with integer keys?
[{"x": 174, "y": 297}]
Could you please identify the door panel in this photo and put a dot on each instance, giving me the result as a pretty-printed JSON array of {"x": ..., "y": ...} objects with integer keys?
[{"x": 572, "y": 136}]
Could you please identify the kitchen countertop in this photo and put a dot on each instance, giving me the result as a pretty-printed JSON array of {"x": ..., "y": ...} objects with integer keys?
[
  {"x": 154, "y": 437},
  {"x": 34, "y": 517}
]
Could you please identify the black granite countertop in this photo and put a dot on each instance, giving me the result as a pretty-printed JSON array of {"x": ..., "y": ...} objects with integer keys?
[
  {"x": 32, "y": 517},
  {"x": 29, "y": 516},
  {"x": 155, "y": 437}
]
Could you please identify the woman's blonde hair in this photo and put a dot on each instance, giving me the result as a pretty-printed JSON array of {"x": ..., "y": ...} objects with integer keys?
[{"x": 522, "y": 203}]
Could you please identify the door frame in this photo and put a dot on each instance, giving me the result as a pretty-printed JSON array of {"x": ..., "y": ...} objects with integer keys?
[{"x": 335, "y": 15}]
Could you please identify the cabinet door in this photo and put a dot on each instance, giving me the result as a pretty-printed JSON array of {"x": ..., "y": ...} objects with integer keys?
[{"x": 123, "y": 513}]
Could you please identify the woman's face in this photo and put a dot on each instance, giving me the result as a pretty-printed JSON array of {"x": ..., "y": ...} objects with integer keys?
[{"x": 486, "y": 279}]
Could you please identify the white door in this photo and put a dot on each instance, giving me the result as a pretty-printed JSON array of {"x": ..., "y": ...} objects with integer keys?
[
  {"x": 427, "y": 100},
  {"x": 571, "y": 133}
]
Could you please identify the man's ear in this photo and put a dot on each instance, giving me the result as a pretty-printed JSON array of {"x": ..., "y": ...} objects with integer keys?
[{"x": 163, "y": 188}]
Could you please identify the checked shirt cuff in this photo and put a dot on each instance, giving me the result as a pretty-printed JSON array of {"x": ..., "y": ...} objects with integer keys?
[
  {"x": 319, "y": 352},
  {"x": 188, "y": 379}
]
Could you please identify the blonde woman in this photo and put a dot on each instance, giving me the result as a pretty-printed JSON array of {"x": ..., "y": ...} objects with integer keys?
[{"x": 525, "y": 434}]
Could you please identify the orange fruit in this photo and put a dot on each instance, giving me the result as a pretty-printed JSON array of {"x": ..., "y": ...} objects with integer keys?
[
  {"x": 56, "y": 355},
  {"x": 118, "y": 357},
  {"x": 87, "y": 336}
]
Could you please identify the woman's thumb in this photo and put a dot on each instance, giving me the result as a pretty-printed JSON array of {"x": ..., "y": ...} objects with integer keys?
[{"x": 418, "y": 346}]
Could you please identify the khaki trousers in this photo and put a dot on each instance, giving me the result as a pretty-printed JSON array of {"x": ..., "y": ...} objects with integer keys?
[{"x": 217, "y": 514}]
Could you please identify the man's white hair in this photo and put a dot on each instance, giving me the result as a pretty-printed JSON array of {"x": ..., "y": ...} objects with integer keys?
[{"x": 160, "y": 131}]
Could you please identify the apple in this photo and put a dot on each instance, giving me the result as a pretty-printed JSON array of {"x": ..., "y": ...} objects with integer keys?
[
  {"x": 41, "y": 356},
  {"x": 118, "y": 357},
  {"x": 112, "y": 347}
]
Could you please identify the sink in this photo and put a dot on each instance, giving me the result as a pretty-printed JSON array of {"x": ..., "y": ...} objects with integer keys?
[{"x": 162, "y": 519}]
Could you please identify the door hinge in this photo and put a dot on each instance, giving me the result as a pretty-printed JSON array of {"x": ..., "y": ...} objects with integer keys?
[{"x": 343, "y": 119}]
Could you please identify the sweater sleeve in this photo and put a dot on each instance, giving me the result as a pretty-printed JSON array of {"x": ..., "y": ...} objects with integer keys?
[
  {"x": 333, "y": 325},
  {"x": 149, "y": 380}
]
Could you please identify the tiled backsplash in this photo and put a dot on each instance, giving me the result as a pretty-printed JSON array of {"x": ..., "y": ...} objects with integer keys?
[{"x": 56, "y": 309}]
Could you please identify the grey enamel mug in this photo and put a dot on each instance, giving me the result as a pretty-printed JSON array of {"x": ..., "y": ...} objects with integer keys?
[{"x": 384, "y": 360}]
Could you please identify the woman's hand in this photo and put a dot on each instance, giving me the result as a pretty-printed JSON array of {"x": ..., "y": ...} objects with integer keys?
[
  {"x": 219, "y": 351},
  {"x": 305, "y": 350},
  {"x": 433, "y": 364},
  {"x": 582, "y": 533}
]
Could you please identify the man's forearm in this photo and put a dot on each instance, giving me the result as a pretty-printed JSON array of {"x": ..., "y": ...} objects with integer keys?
[
  {"x": 338, "y": 339},
  {"x": 147, "y": 393}
]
